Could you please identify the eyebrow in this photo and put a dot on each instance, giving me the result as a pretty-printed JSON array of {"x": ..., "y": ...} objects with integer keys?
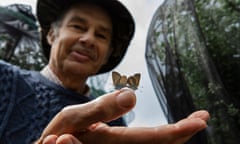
[
  {"x": 78, "y": 19},
  {"x": 84, "y": 21}
]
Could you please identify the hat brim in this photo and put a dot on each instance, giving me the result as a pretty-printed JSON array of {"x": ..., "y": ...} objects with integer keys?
[{"x": 123, "y": 25}]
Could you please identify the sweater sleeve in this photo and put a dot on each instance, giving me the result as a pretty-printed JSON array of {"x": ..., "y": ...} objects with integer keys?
[
  {"x": 6, "y": 89},
  {"x": 28, "y": 102}
]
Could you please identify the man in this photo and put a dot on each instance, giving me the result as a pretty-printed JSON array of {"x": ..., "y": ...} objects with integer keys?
[{"x": 81, "y": 38}]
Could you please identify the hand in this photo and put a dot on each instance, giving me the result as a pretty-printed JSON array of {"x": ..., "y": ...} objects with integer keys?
[{"x": 84, "y": 123}]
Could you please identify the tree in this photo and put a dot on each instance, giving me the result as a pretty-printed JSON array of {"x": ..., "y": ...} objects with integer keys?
[
  {"x": 193, "y": 50},
  {"x": 19, "y": 37}
]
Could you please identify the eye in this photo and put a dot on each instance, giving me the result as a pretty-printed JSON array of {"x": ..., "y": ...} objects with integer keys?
[
  {"x": 78, "y": 27},
  {"x": 102, "y": 36}
]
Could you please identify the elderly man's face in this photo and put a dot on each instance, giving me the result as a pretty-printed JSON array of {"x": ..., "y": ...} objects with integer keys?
[{"x": 81, "y": 44}]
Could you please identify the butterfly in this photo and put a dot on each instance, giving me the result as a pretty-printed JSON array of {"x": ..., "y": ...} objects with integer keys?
[{"x": 120, "y": 81}]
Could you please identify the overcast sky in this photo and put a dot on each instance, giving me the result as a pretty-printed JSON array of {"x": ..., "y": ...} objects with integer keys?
[{"x": 147, "y": 111}]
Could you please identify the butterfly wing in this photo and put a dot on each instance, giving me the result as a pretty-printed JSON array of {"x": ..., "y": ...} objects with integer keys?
[
  {"x": 118, "y": 80},
  {"x": 137, "y": 77},
  {"x": 116, "y": 77},
  {"x": 133, "y": 81},
  {"x": 123, "y": 81}
]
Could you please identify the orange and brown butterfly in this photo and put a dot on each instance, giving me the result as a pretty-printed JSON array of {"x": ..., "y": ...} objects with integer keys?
[{"x": 120, "y": 81}]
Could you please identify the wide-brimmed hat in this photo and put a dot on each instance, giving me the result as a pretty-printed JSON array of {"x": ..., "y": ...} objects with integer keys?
[{"x": 123, "y": 25}]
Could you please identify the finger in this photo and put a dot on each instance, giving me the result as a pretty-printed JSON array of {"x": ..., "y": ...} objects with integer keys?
[
  {"x": 105, "y": 108},
  {"x": 187, "y": 127},
  {"x": 202, "y": 114},
  {"x": 110, "y": 106},
  {"x": 51, "y": 139},
  {"x": 79, "y": 117},
  {"x": 179, "y": 132},
  {"x": 68, "y": 139}
]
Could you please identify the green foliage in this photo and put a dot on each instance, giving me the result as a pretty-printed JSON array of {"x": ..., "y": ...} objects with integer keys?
[
  {"x": 97, "y": 84},
  {"x": 97, "y": 92},
  {"x": 19, "y": 37},
  {"x": 27, "y": 54},
  {"x": 203, "y": 36}
]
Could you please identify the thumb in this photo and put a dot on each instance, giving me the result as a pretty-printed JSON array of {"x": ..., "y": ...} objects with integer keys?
[
  {"x": 103, "y": 109},
  {"x": 77, "y": 118},
  {"x": 112, "y": 106}
]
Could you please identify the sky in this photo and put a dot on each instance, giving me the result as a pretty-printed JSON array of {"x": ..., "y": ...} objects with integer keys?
[{"x": 147, "y": 111}]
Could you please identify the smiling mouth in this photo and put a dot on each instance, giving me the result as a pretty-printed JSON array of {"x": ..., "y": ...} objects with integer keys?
[{"x": 80, "y": 57}]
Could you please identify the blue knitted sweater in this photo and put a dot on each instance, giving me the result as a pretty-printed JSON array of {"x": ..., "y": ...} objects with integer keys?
[{"x": 28, "y": 101}]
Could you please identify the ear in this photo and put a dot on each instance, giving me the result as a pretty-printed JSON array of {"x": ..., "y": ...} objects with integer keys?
[{"x": 50, "y": 36}]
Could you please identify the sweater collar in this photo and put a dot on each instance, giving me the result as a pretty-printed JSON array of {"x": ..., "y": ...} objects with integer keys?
[{"x": 48, "y": 73}]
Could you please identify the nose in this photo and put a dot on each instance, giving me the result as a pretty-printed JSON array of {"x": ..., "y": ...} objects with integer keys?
[{"x": 88, "y": 39}]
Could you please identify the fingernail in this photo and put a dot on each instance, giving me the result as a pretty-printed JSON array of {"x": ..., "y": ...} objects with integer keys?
[
  {"x": 126, "y": 98},
  {"x": 51, "y": 139}
]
